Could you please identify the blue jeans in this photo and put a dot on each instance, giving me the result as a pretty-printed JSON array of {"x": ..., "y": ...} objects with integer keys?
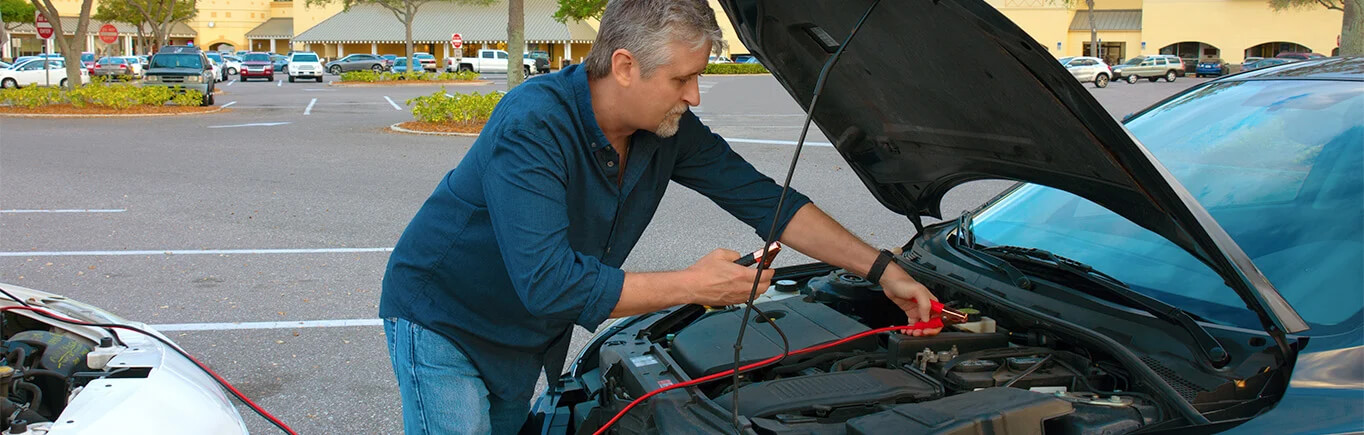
[{"x": 442, "y": 391}]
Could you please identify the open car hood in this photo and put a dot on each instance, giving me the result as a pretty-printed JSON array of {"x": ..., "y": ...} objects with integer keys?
[{"x": 930, "y": 95}]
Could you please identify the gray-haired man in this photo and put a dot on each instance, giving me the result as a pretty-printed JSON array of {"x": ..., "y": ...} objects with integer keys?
[{"x": 525, "y": 238}]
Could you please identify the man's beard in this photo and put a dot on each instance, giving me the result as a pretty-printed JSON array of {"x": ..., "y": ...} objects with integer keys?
[{"x": 669, "y": 126}]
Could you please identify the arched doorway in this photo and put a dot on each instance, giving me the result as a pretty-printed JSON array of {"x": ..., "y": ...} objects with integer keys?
[
  {"x": 222, "y": 46},
  {"x": 1271, "y": 49},
  {"x": 1191, "y": 52}
]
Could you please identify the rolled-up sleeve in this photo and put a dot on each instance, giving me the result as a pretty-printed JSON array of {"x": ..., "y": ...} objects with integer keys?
[
  {"x": 709, "y": 166},
  {"x": 525, "y": 186}
]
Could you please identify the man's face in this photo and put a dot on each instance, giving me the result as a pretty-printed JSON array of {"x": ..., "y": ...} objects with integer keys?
[{"x": 664, "y": 96}]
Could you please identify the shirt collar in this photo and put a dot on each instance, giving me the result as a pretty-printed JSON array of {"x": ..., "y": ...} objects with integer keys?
[{"x": 582, "y": 94}]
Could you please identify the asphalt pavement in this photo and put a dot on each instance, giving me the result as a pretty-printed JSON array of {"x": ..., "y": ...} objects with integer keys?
[{"x": 257, "y": 237}]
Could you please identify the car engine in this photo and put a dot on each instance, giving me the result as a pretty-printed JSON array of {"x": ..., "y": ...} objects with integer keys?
[
  {"x": 978, "y": 377},
  {"x": 43, "y": 369}
]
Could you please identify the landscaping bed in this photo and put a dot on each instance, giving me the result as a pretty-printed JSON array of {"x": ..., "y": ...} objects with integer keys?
[
  {"x": 736, "y": 68},
  {"x": 101, "y": 99},
  {"x": 441, "y": 112},
  {"x": 413, "y": 78}
]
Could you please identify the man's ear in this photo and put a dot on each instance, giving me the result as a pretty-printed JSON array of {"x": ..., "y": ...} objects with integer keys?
[{"x": 623, "y": 67}]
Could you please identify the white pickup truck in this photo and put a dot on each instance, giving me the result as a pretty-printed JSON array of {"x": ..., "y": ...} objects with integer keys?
[{"x": 488, "y": 61}]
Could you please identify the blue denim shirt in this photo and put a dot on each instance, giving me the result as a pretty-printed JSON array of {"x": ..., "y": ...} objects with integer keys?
[{"x": 526, "y": 236}]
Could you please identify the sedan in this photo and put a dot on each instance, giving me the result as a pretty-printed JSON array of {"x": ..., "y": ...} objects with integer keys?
[
  {"x": 1193, "y": 271},
  {"x": 1264, "y": 63},
  {"x": 357, "y": 62},
  {"x": 117, "y": 67},
  {"x": 1088, "y": 70},
  {"x": 1209, "y": 68},
  {"x": 32, "y": 72}
]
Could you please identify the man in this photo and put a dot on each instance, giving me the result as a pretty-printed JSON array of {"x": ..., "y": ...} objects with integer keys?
[{"x": 526, "y": 236}]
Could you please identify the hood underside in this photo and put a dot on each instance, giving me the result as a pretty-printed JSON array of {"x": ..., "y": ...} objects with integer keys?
[{"x": 930, "y": 95}]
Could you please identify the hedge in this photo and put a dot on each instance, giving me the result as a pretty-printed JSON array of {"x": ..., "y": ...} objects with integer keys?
[
  {"x": 121, "y": 96},
  {"x": 458, "y": 108},
  {"x": 372, "y": 77},
  {"x": 736, "y": 68}
]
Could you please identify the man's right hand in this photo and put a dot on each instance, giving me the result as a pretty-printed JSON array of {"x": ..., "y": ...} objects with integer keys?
[{"x": 716, "y": 281}]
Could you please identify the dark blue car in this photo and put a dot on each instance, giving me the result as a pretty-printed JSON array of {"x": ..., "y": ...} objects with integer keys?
[
  {"x": 1211, "y": 68},
  {"x": 1194, "y": 269}
]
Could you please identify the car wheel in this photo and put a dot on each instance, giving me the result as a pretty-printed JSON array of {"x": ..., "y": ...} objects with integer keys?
[
  {"x": 63, "y": 83},
  {"x": 291, "y": 79},
  {"x": 232, "y": 71},
  {"x": 463, "y": 68},
  {"x": 1169, "y": 76},
  {"x": 335, "y": 70},
  {"x": 377, "y": 68},
  {"x": 8, "y": 83},
  {"x": 1132, "y": 79},
  {"x": 1198, "y": 76},
  {"x": 319, "y": 79},
  {"x": 1101, "y": 81},
  {"x": 525, "y": 70}
]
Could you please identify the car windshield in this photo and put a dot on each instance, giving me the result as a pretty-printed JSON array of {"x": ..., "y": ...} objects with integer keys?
[
  {"x": 110, "y": 61},
  {"x": 87, "y": 57},
  {"x": 304, "y": 58},
  {"x": 423, "y": 56},
  {"x": 177, "y": 60},
  {"x": 256, "y": 58},
  {"x": 1134, "y": 61},
  {"x": 1278, "y": 163},
  {"x": 1065, "y": 60},
  {"x": 215, "y": 56}
]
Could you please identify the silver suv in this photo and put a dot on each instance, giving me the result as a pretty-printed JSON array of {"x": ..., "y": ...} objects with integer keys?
[
  {"x": 1151, "y": 67},
  {"x": 1088, "y": 69}
]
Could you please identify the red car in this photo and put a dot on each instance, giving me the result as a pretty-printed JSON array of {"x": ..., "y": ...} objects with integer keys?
[{"x": 257, "y": 65}]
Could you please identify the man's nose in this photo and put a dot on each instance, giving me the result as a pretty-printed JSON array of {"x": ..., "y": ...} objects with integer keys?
[{"x": 693, "y": 94}]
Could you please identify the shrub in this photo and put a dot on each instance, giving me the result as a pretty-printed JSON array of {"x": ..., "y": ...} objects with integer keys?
[
  {"x": 735, "y": 68},
  {"x": 366, "y": 76},
  {"x": 458, "y": 108},
  {"x": 191, "y": 97},
  {"x": 372, "y": 77},
  {"x": 154, "y": 95},
  {"x": 32, "y": 97}
]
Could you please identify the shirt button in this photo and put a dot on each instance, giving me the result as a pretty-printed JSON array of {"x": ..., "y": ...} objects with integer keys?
[{"x": 611, "y": 164}]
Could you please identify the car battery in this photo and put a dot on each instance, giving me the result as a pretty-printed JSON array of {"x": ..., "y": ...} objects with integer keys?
[{"x": 985, "y": 373}]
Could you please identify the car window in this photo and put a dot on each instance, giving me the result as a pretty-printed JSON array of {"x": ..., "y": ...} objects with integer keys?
[
  {"x": 1134, "y": 61},
  {"x": 256, "y": 58},
  {"x": 178, "y": 60},
  {"x": 215, "y": 56},
  {"x": 87, "y": 57},
  {"x": 486, "y": 55},
  {"x": 1278, "y": 163},
  {"x": 501, "y": 55},
  {"x": 304, "y": 57}
]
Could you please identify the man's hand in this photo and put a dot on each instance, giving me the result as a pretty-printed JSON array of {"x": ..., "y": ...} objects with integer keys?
[
  {"x": 716, "y": 281},
  {"x": 910, "y": 296}
]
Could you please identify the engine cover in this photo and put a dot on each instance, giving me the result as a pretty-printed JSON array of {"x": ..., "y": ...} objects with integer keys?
[
  {"x": 706, "y": 346},
  {"x": 833, "y": 390}
]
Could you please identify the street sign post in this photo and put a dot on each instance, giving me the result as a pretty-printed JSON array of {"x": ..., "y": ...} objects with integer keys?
[
  {"x": 108, "y": 33},
  {"x": 456, "y": 41},
  {"x": 44, "y": 27}
]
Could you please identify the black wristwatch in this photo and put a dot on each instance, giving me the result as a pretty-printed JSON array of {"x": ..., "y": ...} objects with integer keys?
[{"x": 879, "y": 267}]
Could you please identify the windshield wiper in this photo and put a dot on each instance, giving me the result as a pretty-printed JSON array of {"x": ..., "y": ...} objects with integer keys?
[
  {"x": 1208, "y": 345},
  {"x": 966, "y": 241}
]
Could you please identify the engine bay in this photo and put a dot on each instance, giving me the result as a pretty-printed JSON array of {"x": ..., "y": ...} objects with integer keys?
[{"x": 988, "y": 375}]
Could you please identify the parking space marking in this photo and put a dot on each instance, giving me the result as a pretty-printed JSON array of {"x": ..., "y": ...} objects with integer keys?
[
  {"x": 395, "y": 105},
  {"x": 70, "y": 210},
  {"x": 233, "y": 82},
  {"x": 776, "y": 142},
  {"x": 266, "y": 325},
  {"x": 229, "y": 104},
  {"x": 279, "y": 83},
  {"x": 191, "y": 252},
  {"x": 254, "y": 124},
  {"x": 309, "y": 110}
]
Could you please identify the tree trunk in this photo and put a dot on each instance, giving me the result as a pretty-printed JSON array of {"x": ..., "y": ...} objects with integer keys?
[
  {"x": 1093, "y": 30},
  {"x": 516, "y": 42},
  {"x": 407, "y": 27},
  {"x": 1352, "y": 28}
]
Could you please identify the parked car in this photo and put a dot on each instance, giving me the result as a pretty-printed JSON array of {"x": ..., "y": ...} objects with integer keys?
[
  {"x": 5, "y": 65},
  {"x": 357, "y": 62},
  {"x": 426, "y": 59},
  {"x": 183, "y": 70},
  {"x": 1191, "y": 272},
  {"x": 1300, "y": 56},
  {"x": 1088, "y": 70},
  {"x": 489, "y": 61},
  {"x": 31, "y": 72},
  {"x": 1249, "y": 60},
  {"x": 257, "y": 65},
  {"x": 400, "y": 66},
  {"x": 1212, "y": 67},
  {"x": 719, "y": 59},
  {"x": 1151, "y": 68},
  {"x": 541, "y": 61},
  {"x": 220, "y": 68},
  {"x": 1263, "y": 63},
  {"x": 232, "y": 63},
  {"x": 117, "y": 67},
  {"x": 102, "y": 380},
  {"x": 88, "y": 61},
  {"x": 304, "y": 64},
  {"x": 143, "y": 61},
  {"x": 279, "y": 61},
  {"x": 388, "y": 60}
]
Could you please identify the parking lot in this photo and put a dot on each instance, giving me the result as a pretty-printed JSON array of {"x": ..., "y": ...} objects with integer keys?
[{"x": 257, "y": 237}]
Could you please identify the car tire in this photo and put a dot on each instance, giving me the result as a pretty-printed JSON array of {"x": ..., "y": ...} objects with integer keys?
[
  {"x": 63, "y": 83},
  {"x": 272, "y": 77},
  {"x": 319, "y": 79},
  {"x": 1198, "y": 76},
  {"x": 1101, "y": 81},
  {"x": 1132, "y": 79},
  {"x": 377, "y": 68},
  {"x": 232, "y": 71},
  {"x": 525, "y": 70},
  {"x": 8, "y": 84},
  {"x": 291, "y": 79},
  {"x": 335, "y": 70},
  {"x": 1169, "y": 76},
  {"x": 208, "y": 98},
  {"x": 465, "y": 67}
]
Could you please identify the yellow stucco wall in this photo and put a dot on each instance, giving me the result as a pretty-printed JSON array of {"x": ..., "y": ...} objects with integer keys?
[
  {"x": 227, "y": 21},
  {"x": 1131, "y": 40},
  {"x": 1048, "y": 23},
  {"x": 282, "y": 9},
  {"x": 1235, "y": 25}
]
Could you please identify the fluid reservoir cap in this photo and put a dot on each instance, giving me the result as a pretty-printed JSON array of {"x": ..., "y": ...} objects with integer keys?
[
  {"x": 972, "y": 314},
  {"x": 786, "y": 285},
  {"x": 6, "y": 371}
]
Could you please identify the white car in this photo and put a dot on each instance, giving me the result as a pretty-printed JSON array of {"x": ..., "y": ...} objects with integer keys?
[
  {"x": 233, "y": 64},
  {"x": 111, "y": 380},
  {"x": 31, "y": 72},
  {"x": 135, "y": 63},
  {"x": 1088, "y": 69},
  {"x": 217, "y": 70},
  {"x": 304, "y": 64}
]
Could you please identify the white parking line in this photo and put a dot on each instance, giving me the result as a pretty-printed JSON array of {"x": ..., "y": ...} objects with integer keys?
[
  {"x": 266, "y": 325},
  {"x": 70, "y": 210},
  {"x": 309, "y": 110},
  {"x": 229, "y": 104},
  {"x": 279, "y": 83},
  {"x": 776, "y": 142},
  {"x": 233, "y": 82},
  {"x": 254, "y": 124},
  {"x": 191, "y": 252},
  {"x": 395, "y": 105}
]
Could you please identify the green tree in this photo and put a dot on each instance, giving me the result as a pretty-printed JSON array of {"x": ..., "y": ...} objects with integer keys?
[
  {"x": 404, "y": 10},
  {"x": 1351, "y": 25},
  {"x": 516, "y": 42},
  {"x": 13, "y": 13},
  {"x": 160, "y": 15},
  {"x": 579, "y": 10},
  {"x": 70, "y": 46}
]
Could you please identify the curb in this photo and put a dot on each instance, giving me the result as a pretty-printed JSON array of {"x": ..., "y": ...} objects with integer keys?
[
  {"x": 98, "y": 115},
  {"x": 410, "y": 83},
  {"x": 398, "y": 129}
]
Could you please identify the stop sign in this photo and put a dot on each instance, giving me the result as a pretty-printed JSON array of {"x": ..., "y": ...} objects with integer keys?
[
  {"x": 44, "y": 27},
  {"x": 456, "y": 41},
  {"x": 108, "y": 33}
]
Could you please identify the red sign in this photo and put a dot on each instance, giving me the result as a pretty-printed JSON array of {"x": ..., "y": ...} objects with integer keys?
[
  {"x": 44, "y": 27},
  {"x": 108, "y": 33},
  {"x": 456, "y": 41}
]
